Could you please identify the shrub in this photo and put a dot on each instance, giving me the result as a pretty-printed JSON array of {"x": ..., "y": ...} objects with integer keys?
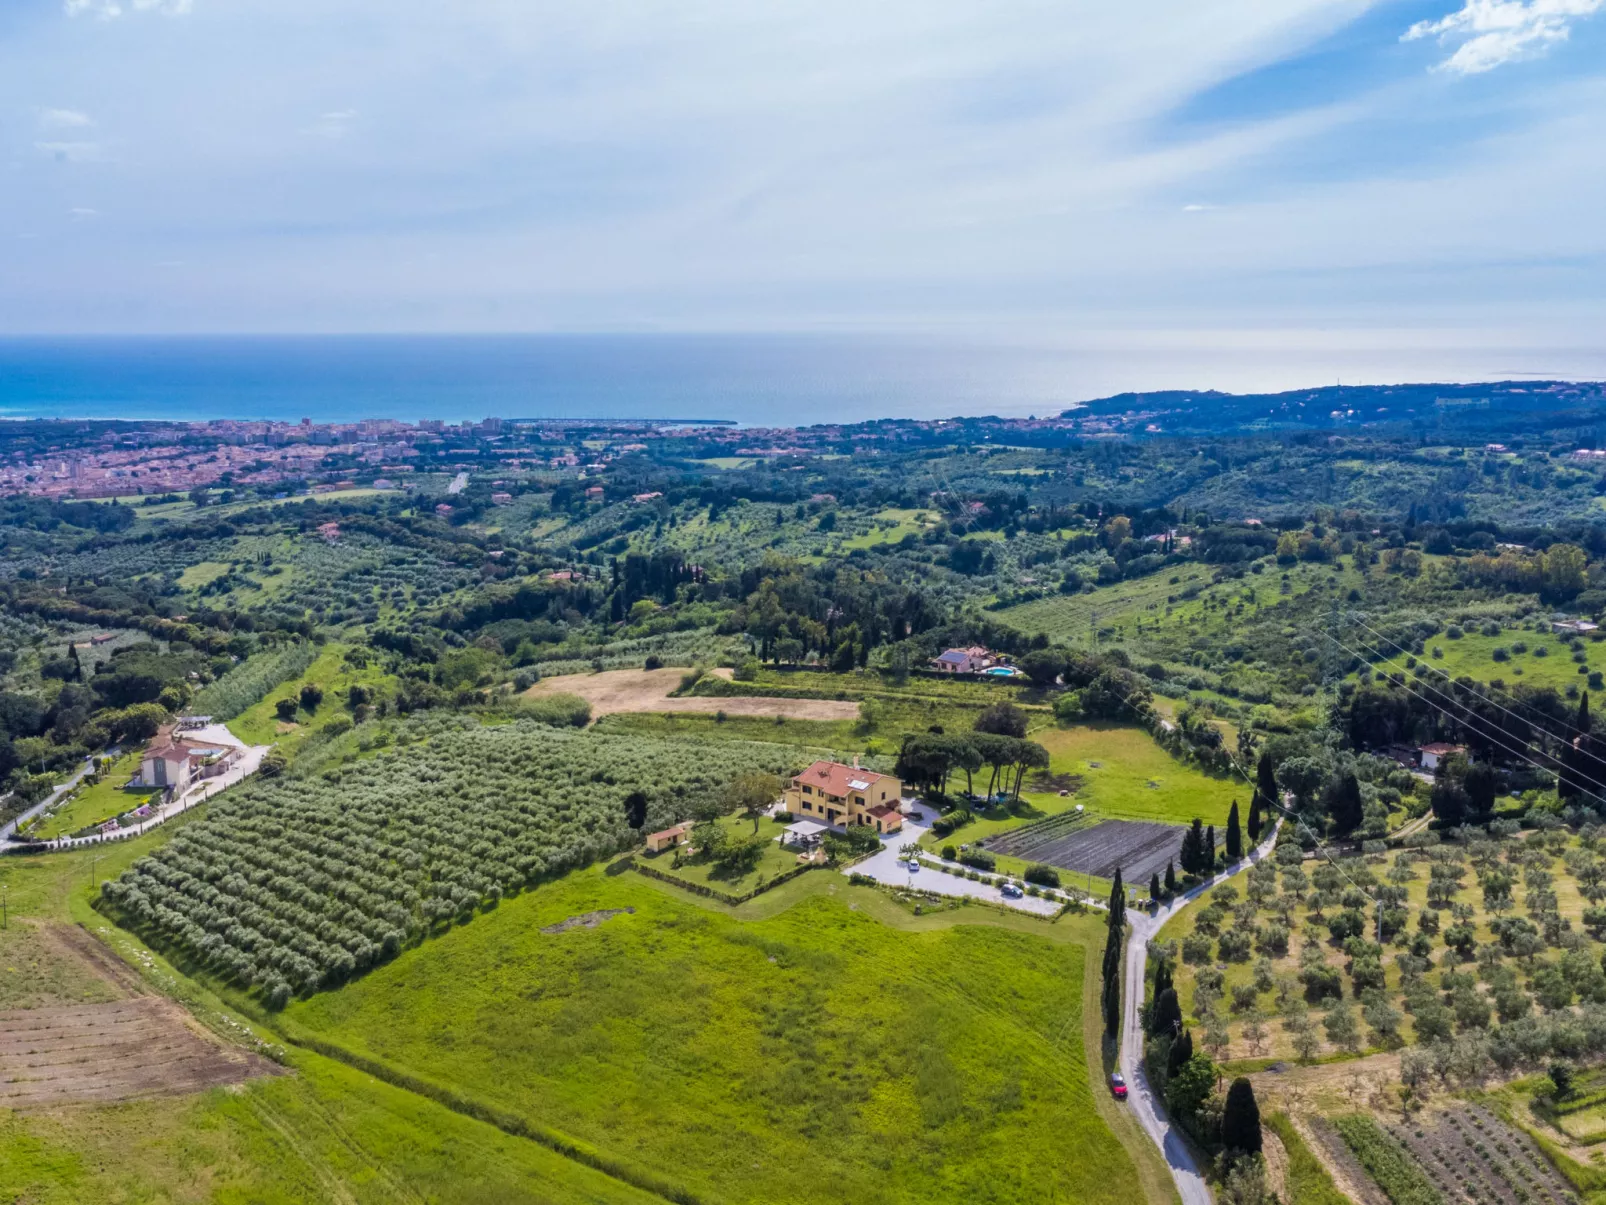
[
  {"x": 950, "y": 854},
  {"x": 285, "y": 709},
  {"x": 654, "y": 661},
  {"x": 1043, "y": 876},
  {"x": 978, "y": 860}
]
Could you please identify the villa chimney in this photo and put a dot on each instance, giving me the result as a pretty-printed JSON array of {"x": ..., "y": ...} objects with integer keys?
[{"x": 855, "y": 761}]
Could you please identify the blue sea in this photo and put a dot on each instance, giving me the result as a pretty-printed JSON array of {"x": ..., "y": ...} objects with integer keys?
[{"x": 754, "y": 380}]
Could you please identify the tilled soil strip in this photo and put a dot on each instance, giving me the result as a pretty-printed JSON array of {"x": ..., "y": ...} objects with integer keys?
[{"x": 115, "y": 1051}]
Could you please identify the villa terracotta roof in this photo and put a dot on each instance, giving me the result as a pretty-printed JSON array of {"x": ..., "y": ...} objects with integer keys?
[
  {"x": 836, "y": 779},
  {"x": 884, "y": 809},
  {"x": 674, "y": 830}
]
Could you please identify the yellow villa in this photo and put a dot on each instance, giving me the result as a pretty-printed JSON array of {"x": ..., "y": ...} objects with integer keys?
[{"x": 833, "y": 793}]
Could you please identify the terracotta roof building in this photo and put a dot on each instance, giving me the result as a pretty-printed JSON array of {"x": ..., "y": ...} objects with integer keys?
[{"x": 846, "y": 795}]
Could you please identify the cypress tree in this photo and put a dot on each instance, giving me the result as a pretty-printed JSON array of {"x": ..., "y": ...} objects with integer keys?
[
  {"x": 1154, "y": 885},
  {"x": 1264, "y": 798},
  {"x": 1235, "y": 838},
  {"x": 1111, "y": 999},
  {"x": 1162, "y": 975},
  {"x": 1166, "y": 1016},
  {"x": 1344, "y": 804},
  {"x": 1207, "y": 859},
  {"x": 1193, "y": 848},
  {"x": 1240, "y": 1120},
  {"x": 1170, "y": 878},
  {"x": 1181, "y": 1052}
]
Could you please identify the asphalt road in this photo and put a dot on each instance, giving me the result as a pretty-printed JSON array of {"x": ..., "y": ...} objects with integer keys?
[{"x": 1140, "y": 1095}]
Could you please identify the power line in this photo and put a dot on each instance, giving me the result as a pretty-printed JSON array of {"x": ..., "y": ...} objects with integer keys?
[
  {"x": 1382, "y": 639},
  {"x": 1476, "y": 722},
  {"x": 1519, "y": 753}
]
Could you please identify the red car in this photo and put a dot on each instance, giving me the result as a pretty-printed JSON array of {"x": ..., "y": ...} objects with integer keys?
[{"x": 1117, "y": 1086}]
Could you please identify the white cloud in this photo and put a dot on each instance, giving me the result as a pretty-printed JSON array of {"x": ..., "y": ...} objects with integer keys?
[
  {"x": 79, "y": 213},
  {"x": 333, "y": 125},
  {"x": 1496, "y": 32},
  {"x": 108, "y": 10},
  {"x": 64, "y": 119},
  {"x": 1194, "y": 208}
]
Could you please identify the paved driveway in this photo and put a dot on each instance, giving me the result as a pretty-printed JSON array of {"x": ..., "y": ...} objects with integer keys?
[{"x": 885, "y": 867}]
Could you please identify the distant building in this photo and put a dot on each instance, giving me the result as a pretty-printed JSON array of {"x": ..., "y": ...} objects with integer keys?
[
  {"x": 668, "y": 838},
  {"x": 173, "y": 762},
  {"x": 1563, "y": 626},
  {"x": 501, "y": 499},
  {"x": 443, "y": 508},
  {"x": 974, "y": 660},
  {"x": 1435, "y": 754},
  {"x": 329, "y": 531}
]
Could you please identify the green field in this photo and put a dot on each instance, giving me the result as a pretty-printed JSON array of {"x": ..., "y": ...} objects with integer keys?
[
  {"x": 1125, "y": 609},
  {"x": 323, "y": 1133},
  {"x": 728, "y": 463},
  {"x": 201, "y": 573},
  {"x": 890, "y": 526},
  {"x": 818, "y": 1055},
  {"x": 1472, "y": 655},
  {"x": 90, "y": 805},
  {"x": 1134, "y": 779}
]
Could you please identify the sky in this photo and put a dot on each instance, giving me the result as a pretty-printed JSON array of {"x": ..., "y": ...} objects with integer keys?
[{"x": 1170, "y": 173}]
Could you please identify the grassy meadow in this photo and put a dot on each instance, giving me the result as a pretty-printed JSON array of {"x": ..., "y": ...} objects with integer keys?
[
  {"x": 90, "y": 805},
  {"x": 323, "y": 1133},
  {"x": 1126, "y": 776},
  {"x": 814, "y": 1055}
]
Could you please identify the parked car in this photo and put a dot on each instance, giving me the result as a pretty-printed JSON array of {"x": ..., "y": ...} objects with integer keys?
[
  {"x": 1117, "y": 1086},
  {"x": 1011, "y": 891}
]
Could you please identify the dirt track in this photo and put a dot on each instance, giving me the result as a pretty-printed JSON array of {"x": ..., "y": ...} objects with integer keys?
[{"x": 620, "y": 690}]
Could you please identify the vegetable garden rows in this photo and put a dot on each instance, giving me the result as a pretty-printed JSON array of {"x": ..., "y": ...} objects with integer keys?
[
  {"x": 293, "y": 885},
  {"x": 1139, "y": 849}
]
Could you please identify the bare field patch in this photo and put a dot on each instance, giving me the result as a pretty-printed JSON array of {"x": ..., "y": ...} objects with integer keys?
[
  {"x": 119, "y": 1050},
  {"x": 625, "y": 690}
]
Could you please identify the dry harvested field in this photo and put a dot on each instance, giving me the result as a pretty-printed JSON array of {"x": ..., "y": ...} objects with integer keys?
[
  {"x": 1139, "y": 849},
  {"x": 132, "y": 1046},
  {"x": 624, "y": 690}
]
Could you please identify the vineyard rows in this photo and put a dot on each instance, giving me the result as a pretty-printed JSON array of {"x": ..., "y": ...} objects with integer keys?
[
  {"x": 1024, "y": 842},
  {"x": 292, "y": 885}
]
